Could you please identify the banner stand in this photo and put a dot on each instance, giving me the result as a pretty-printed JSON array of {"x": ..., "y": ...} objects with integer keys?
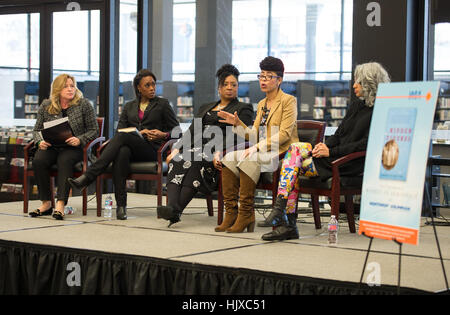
[
  {"x": 367, "y": 257},
  {"x": 400, "y": 252},
  {"x": 437, "y": 239}
]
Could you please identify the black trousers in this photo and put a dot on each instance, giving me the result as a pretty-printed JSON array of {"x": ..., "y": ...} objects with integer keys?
[
  {"x": 121, "y": 150},
  {"x": 65, "y": 159}
]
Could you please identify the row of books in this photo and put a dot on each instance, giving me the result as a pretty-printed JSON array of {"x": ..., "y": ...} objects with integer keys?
[
  {"x": 335, "y": 101},
  {"x": 443, "y": 114},
  {"x": 185, "y": 101},
  {"x": 185, "y": 111},
  {"x": 337, "y": 113},
  {"x": 444, "y": 102},
  {"x": 12, "y": 188}
]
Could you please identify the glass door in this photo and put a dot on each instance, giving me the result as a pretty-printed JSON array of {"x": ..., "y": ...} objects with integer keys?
[
  {"x": 76, "y": 49},
  {"x": 19, "y": 68}
]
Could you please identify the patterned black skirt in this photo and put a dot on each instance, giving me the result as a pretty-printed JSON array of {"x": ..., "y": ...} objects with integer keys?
[{"x": 194, "y": 169}]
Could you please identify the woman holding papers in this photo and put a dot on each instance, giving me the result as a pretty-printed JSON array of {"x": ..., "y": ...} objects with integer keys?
[
  {"x": 152, "y": 119},
  {"x": 66, "y": 102},
  {"x": 273, "y": 131},
  {"x": 303, "y": 160},
  {"x": 191, "y": 167}
]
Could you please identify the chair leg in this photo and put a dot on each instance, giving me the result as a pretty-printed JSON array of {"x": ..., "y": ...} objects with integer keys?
[
  {"x": 220, "y": 202},
  {"x": 85, "y": 201},
  {"x": 316, "y": 211},
  {"x": 52, "y": 191},
  {"x": 25, "y": 193},
  {"x": 98, "y": 195},
  {"x": 350, "y": 213},
  {"x": 335, "y": 200},
  {"x": 209, "y": 204},
  {"x": 159, "y": 191}
]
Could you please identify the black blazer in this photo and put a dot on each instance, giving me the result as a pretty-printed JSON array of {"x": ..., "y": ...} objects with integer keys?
[
  {"x": 158, "y": 115},
  {"x": 244, "y": 111},
  {"x": 351, "y": 136}
]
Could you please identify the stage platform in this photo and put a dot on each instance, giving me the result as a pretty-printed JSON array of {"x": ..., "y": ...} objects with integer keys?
[{"x": 193, "y": 259}]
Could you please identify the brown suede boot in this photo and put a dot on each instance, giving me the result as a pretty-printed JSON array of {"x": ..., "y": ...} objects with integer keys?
[
  {"x": 246, "y": 213},
  {"x": 230, "y": 191}
]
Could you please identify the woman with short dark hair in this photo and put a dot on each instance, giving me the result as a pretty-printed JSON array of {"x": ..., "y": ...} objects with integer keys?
[
  {"x": 273, "y": 130},
  {"x": 154, "y": 119}
]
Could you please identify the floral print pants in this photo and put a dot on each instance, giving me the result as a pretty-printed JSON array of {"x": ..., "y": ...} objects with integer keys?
[{"x": 297, "y": 162}]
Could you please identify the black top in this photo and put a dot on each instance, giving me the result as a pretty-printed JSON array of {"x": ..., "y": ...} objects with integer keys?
[
  {"x": 351, "y": 136},
  {"x": 158, "y": 115},
  {"x": 209, "y": 117}
]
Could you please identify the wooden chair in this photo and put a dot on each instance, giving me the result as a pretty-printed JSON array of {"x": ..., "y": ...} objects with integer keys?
[
  {"x": 308, "y": 131},
  {"x": 78, "y": 169},
  {"x": 152, "y": 171},
  {"x": 335, "y": 187}
]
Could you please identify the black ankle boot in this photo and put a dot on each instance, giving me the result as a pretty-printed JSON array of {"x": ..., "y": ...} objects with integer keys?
[
  {"x": 287, "y": 231},
  {"x": 121, "y": 212},
  {"x": 168, "y": 213},
  {"x": 79, "y": 183},
  {"x": 278, "y": 214}
]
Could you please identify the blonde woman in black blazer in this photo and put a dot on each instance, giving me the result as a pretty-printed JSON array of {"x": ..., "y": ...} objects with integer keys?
[
  {"x": 154, "y": 118},
  {"x": 66, "y": 100}
]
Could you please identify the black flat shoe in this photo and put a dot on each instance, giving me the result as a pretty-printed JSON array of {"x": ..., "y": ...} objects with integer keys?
[
  {"x": 79, "y": 183},
  {"x": 58, "y": 215},
  {"x": 38, "y": 213}
]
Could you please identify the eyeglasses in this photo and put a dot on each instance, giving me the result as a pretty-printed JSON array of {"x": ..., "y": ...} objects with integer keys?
[{"x": 266, "y": 77}]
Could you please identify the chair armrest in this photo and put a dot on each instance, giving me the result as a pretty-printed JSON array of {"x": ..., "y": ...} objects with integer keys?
[
  {"x": 26, "y": 153},
  {"x": 89, "y": 145},
  {"x": 336, "y": 182},
  {"x": 347, "y": 158},
  {"x": 166, "y": 145},
  {"x": 100, "y": 149},
  {"x": 86, "y": 149}
]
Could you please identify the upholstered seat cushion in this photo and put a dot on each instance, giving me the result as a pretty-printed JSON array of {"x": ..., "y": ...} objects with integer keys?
[
  {"x": 142, "y": 168},
  {"x": 346, "y": 182},
  {"x": 136, "y": 167}
]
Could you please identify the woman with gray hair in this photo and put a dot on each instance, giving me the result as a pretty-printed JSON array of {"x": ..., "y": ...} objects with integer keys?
[{"x": 303, "y": 160}]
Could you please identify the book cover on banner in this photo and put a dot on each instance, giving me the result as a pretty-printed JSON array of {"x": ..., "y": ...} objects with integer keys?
[
  {"x": 57, "y": 131},
  {"x": 397, "y": 143}
]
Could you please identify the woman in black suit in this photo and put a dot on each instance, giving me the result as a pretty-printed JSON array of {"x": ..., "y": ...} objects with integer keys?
[
  {"x": 192, "y": 166},
  {"x": 154, "y": 119}
]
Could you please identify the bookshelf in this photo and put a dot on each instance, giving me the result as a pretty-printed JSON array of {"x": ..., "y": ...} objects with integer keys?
[
  {"x": 442, "y": 115},
  {"x": 12, "y": 142},
  {"x": 185, "y": 98},
  {"x": 323, "y": 100}
]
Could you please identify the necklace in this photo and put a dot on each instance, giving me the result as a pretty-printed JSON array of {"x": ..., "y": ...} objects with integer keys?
[{"x": 220, "y": 107}]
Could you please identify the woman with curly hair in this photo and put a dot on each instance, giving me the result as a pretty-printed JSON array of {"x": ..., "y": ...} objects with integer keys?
[
  {"x": 303, "y": 160},
  {"x": 192, "y": 166}
]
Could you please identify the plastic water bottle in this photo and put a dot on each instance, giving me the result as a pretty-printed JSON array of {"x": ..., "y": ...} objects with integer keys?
[
  {"x": 69, "y": 210},
  {"x": 333, "y": 231},
  {"x": 107, "y": 213}
]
